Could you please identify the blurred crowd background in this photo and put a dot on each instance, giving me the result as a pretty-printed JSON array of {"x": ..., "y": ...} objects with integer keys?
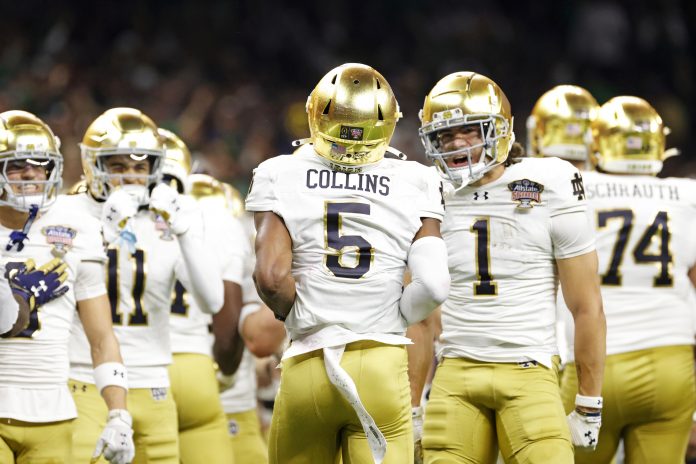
[{"x": 231, "y": 77}]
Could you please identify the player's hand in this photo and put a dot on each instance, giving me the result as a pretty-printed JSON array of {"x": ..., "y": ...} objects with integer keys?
[
  {"x": 417, "y": 419},
  {"x": 584, "y": 429},
  {"x": 224, "y": 381},
  {"x": 121, "y": 205},
  {"x": 174, "y": 209},
  {"x": 116, "y": 440},
  {"x": 37, "y": 286}
]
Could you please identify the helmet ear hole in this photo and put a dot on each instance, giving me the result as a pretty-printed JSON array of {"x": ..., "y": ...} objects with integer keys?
[
  {"x": 380, "y": 116},
  {"x": 326, "y": 108}
]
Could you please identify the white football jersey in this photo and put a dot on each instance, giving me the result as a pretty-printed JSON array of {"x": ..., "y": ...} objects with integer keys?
[
  {"x": 230, "y": 244},
  {"x": 646, "y": 244},
  {"x": 34, "y": 365},
  {"x": 350, "y": 236},
  {"x": 502, "y": 251},
  {"x": 140, "y": 287}
]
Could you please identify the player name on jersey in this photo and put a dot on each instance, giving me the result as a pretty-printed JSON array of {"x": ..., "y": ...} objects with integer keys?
[
  {"x": 327, "y": 179},
  {"x": 610, "y": 189}
]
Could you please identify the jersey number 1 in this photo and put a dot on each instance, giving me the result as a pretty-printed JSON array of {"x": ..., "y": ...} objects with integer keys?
[{"x": 485, "y": 285}]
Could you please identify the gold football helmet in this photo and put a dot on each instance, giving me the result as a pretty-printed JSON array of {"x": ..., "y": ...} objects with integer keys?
[
  {"x": 120, "y": 131},
  {"x": 203, "y": 187},
  {"x": 560, "y": 123},
  {"x": 352, "y": 115},
  {"x": 464, "y": 99},
  {"x": 177, "y": 160},
  {"x": 27, "y": 140},
  {"x": 629, "y": 137}
]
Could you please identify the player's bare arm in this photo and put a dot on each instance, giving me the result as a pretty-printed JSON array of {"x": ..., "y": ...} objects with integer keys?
[
  {"x": 95, "y": 315},
  {"x": 262, "y": 333},
  {"x": 580, "y": 284},
  {"x": 229, "y": 345},
  {"x": 272, "y": 274}
]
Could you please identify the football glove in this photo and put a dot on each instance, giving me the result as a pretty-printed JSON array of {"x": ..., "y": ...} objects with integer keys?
[
  {"x": 121, "y": 205},
  {"x": 116, "y": 440},
  {"x": 584, "y": 429},
  {"x": 37, "y": 286},
  {"x": 417, "y": 419},
  {"x": 174, "y": 208}
]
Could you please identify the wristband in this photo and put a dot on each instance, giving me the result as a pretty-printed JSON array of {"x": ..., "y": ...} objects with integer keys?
[
  {"x": 122, "y": 414},
  {"x": 595, "y": 402},
  {"x": 110, "y": 374}
]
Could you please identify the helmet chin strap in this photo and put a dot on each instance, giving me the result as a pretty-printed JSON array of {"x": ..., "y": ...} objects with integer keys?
[{"x": 17, "y": 237}]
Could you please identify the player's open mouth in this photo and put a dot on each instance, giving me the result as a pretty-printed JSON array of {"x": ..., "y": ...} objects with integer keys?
[{"x": 459, "y": 161}]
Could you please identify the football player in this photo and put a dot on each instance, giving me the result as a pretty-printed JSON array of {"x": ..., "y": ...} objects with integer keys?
[
  {"x": 154, "y": 237},
  {"x": 203, "y": 434},
  {"x": 647, "y": 264},
  {"x": 559, "y": 126},
  {"x": 337, "y": 222},
  {"x": 36, "y": 409},
  {"x": 513, "y": 228},
  {"x": 263, "y": 336}
]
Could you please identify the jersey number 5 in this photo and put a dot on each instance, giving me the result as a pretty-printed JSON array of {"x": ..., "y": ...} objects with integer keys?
[{"x": 337, "y": 244}]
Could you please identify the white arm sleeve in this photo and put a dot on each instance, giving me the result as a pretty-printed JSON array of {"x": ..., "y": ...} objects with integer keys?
[
  {"x": 572, "y": 234},
  {"x": 202, "y": 268},
  {"x": 90, "y": 280},
  {"x": 9, "y": 309},
  {"x": 430, "y": 279}
]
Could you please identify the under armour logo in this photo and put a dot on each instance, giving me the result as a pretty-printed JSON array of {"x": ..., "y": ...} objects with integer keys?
[
  {"x": 41, "y": 288},
  {"x": 590, "y": 440},
  {"x": 578, "y": 187},
  {"x": 477, "y": 195},
  {"x": 118, "y": 373}
]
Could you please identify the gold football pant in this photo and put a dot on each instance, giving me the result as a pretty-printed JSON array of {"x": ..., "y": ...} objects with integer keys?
[
  {"x": 312, "y": 421},
  {"x": 649, "y": 398},
  {"x": 35, "y": 443},
  {"x": 475, "y": 405},
  {"x": 155, "y": 431},
  {"x": 203, "y": 434},
  {"x": 245, "y": 435}
]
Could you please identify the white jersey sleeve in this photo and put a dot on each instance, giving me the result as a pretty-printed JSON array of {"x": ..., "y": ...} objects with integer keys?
[
  {"x": 9, "y": 308},
  {"x": 230, "y": 246},
  {"x": 571, "y": 230}
]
